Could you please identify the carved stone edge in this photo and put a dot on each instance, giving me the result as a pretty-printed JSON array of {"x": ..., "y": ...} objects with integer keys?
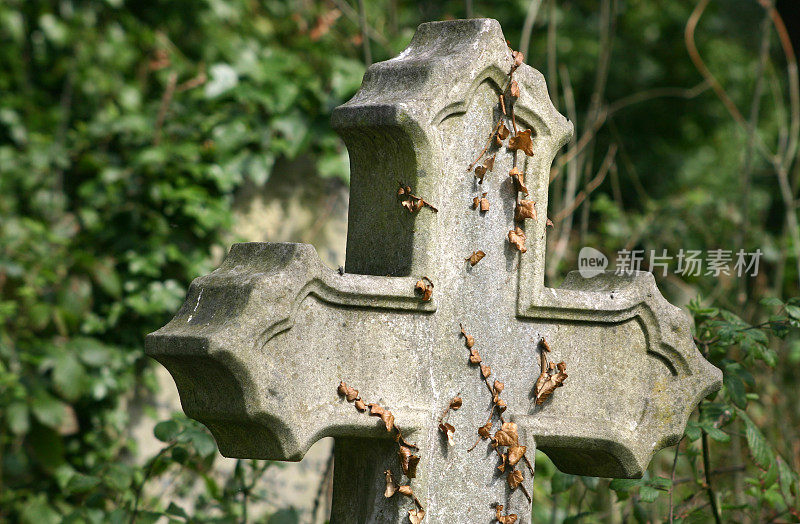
[{"x": 614, "y": 299}]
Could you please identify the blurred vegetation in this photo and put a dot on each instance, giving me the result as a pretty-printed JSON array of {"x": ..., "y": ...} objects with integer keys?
[{"x": 127, "y": 127}]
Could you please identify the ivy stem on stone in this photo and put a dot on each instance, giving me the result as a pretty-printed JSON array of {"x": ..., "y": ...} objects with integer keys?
[{"x": 486, "y": 147}]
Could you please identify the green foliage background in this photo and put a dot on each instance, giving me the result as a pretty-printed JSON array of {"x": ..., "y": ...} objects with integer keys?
[{"x": 127, "y": 127}]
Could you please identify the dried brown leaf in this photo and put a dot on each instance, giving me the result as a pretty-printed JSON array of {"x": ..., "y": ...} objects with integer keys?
[
  {"x": 483, "y": 431},
  {"x": 498, "y": 387},
  {"x": 348, "y": 392},
  {"x": 504, "y": 438},
  {"x": 480, "y": 172},
  {"x": 522, "y": 142},
  {"x": 503, "y": 132},
  {"x": 449, "y": 431},
  {"x": 518, "y": 58},
  {"x": 416, "y": 515},
  {"x": 405, "y": 490},
  {"x": 403, "y": 442},
  {"x": 360, "y": 405},
  {"x": 388, "y": 420},
  {"x": 504, "y": 519},
  {"x": 455, "y": 403},
  {"x": 549, "y": 380},
  {"x": 475, "y": 257},
  {"x": 424, "y": 287},
  {"x": 408, "y": 461},
  {"x": 486, "y": 370},
  {"x": 517, "y": 238},
  {"x": 515, "y": 454},
  {"x": 500, "y": 405},
  {"x": 476, "y": 202},
  {"x": 474, "y": 356},
  {"x": 514, "y": 89},
  {"x": 515, "y": 478},
  {"x": 391, "y": 485},
  {"x": 519, "y": 180},
  {"x": 484, "y": 203},
  {"x": 503, "y": 462},
  {"x": 470, "y": 340},
  {"x": 376, "y": 410},
  {"x": 510, "y": 427},
  {"x": 489, "y": 162},
  {"x": 525, "y": 209}
]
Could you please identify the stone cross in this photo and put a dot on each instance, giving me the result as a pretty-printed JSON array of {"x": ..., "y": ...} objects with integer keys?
[{"x": 260, "y": 345}]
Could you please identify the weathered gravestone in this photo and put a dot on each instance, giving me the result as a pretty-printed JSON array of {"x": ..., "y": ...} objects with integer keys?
[{"x": 260, "y": 345}]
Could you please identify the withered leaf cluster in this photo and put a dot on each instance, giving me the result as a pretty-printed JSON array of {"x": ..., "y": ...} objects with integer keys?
[
  {"x": 424, "y": 288},
  {"x": 481, "y": 203},
  {"x": 552, "y": 375},
  {"x": 507, "y": 436},
  {"x": 408, "y": 460},
  {"x": 411, "y": 201},
  {"x": 417, "y": 513},
  {"x": 504, "y": 519},
  {"x": 475, "y": 257},
  {"x": 444, "y": 426}
]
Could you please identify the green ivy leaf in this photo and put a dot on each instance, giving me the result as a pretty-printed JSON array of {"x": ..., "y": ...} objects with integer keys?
[
  {"x": 793, "y": 311},
  {"x": 693, "y": 431},
  {"x": 48, "y": 410},
  {"x": 625, "y": 484},
  {"x": 759, "y": 448},
  {"x": 166, "y": 430},
  {"x": 561, "y": 482},
  {"x": 80, "y": 483},
  {"x": 770, "y": 476},
  {"x": 17, "y": 418},
  {"x": 69, "y": 376},
  {"x": 648, "y": 494},
  {"x": 37, "y": 511},
  {"x": 771, "y": 302},
  {"x": 734, "y": 387},
  {"x": 788, "y": 479}
]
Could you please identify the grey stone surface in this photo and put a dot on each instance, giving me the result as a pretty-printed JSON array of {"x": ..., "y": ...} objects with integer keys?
[{"x": 260, "y": 344}]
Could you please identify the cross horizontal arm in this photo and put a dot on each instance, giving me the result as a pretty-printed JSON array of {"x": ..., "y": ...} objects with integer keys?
[{"x": 264, "y": 389}]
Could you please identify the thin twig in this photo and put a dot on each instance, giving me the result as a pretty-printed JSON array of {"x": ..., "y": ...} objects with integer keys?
[
  {"x": 486, "y": 147},
  {"x": 527, "y": 25},
  {"x": 712, "y": 497},
  {"x": 362, "y": 22},
  {"x": 166, "y": 98},
  {"x": 352, "y": 14},
  {"x": 591, "y": 186},
  {"x": 672, "y": 478}
]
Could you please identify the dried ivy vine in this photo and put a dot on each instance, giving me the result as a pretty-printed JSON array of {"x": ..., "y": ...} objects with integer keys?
[
  {"x": 505, "y": 440},
  {"x": 408, "y": 460}
]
